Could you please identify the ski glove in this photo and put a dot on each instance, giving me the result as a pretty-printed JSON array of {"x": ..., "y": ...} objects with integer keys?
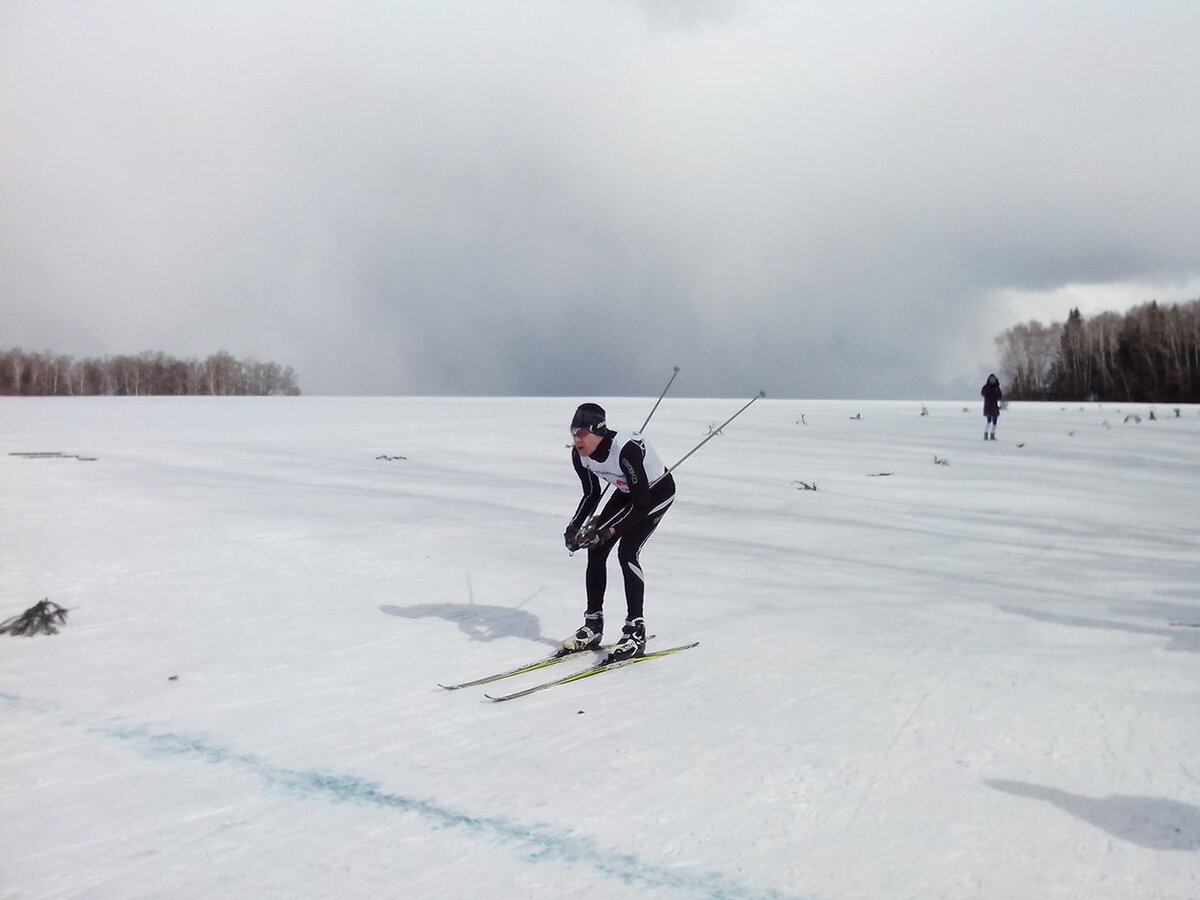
[
  {"x": 571, "y": 538},
  {"x": 590, "y": 537}
]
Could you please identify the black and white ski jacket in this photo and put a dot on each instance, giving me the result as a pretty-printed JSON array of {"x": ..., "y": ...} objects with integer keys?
[{"x": 629, "y": 464}]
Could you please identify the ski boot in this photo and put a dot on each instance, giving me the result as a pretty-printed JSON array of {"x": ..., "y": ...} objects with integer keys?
[
  {"x": 588, "y": 637},
  {"x": 632, "y": 642}
]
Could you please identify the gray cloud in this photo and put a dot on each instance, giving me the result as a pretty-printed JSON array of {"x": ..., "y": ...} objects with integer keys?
[{"x": 820, "y": 199}]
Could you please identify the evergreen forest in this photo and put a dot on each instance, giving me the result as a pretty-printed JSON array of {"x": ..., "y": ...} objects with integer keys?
[{"x": 1150, "y": 354}]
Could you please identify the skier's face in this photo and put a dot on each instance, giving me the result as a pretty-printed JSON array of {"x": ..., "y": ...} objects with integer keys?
[{"x": 585, "y": 442}]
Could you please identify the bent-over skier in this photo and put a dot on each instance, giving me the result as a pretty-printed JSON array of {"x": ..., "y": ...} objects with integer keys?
[{"x": 645, "y": 491}]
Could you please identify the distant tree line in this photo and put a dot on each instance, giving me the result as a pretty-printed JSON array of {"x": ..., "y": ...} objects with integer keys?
[
  {"x": 1150, "y": 354},
  {"x": 48, "y": 375}
]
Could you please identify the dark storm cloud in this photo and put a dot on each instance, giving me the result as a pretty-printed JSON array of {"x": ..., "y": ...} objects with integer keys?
[{"x": 541, "y": 198}]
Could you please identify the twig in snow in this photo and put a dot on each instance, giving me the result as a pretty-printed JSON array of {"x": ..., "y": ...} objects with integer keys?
[
  {"x": 54, "y": 455},
  {"x": 43, "y": 616}
]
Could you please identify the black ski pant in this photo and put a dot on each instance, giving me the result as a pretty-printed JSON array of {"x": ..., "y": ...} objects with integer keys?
[{"x": 629, "y": 546}]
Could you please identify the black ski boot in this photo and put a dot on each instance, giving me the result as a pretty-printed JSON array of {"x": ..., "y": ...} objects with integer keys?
[
  {"x": 588, "y": 637},
  {"x": 632, "y": 642}
]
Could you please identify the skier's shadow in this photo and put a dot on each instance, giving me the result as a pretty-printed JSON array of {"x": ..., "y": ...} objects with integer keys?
[
  {"x": 1152, "y": 822},
  {"x": 1180, "y": 639},
  {"x": 480, "y": 622}
]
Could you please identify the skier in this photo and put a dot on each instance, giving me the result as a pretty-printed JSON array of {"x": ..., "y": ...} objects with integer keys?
[
  {"x": 991, "y": 405},
  {"x": 645, "y": 491}
]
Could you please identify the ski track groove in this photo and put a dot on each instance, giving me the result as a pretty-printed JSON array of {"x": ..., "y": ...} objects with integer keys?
[{"x": 913, "y": 712}]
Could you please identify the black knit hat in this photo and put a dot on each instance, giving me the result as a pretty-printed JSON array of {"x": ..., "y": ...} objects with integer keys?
[{"x": 590, "y": 416}]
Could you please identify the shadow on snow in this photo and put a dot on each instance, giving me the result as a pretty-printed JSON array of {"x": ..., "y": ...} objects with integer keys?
[
  {"x": 1178, "y": 641},
  {"x": 479, "y": 622},
  {"x": 1150, "y": 822}
]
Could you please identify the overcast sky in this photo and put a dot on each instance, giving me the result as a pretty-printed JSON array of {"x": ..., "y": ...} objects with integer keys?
[{"x": 569, "y": 197}]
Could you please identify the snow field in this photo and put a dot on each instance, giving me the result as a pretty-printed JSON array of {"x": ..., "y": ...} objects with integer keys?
[{"x": 973, "y": 679}]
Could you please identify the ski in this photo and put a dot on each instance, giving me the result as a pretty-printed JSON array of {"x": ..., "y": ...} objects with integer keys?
[
  {"x": 590, "y": 671},
  {"x": 561, "y": 656}
]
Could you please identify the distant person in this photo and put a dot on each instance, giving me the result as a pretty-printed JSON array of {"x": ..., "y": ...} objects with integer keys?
[
  {"x": 992, "y": 396},
  {"x": 644, "y": 492}
]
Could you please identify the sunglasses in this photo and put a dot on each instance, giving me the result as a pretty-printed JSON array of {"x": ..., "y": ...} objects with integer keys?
[{"x": 580, "y": 432}]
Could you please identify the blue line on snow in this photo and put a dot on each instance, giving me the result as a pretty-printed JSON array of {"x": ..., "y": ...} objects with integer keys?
[{"x": 540, "y": 842}]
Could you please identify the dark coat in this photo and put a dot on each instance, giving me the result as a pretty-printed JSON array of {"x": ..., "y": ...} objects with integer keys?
[{"x": 991, "y": 398}]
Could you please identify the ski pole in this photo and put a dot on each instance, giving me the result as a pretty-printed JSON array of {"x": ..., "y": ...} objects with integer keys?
[
  {"x": 659, "y": 400},
  {"x": 590, "y": 523},
  {"x": 710, "y": 436}
]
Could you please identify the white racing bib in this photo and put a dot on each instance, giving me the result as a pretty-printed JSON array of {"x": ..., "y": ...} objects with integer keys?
[{"x": 610, "y": 470}]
